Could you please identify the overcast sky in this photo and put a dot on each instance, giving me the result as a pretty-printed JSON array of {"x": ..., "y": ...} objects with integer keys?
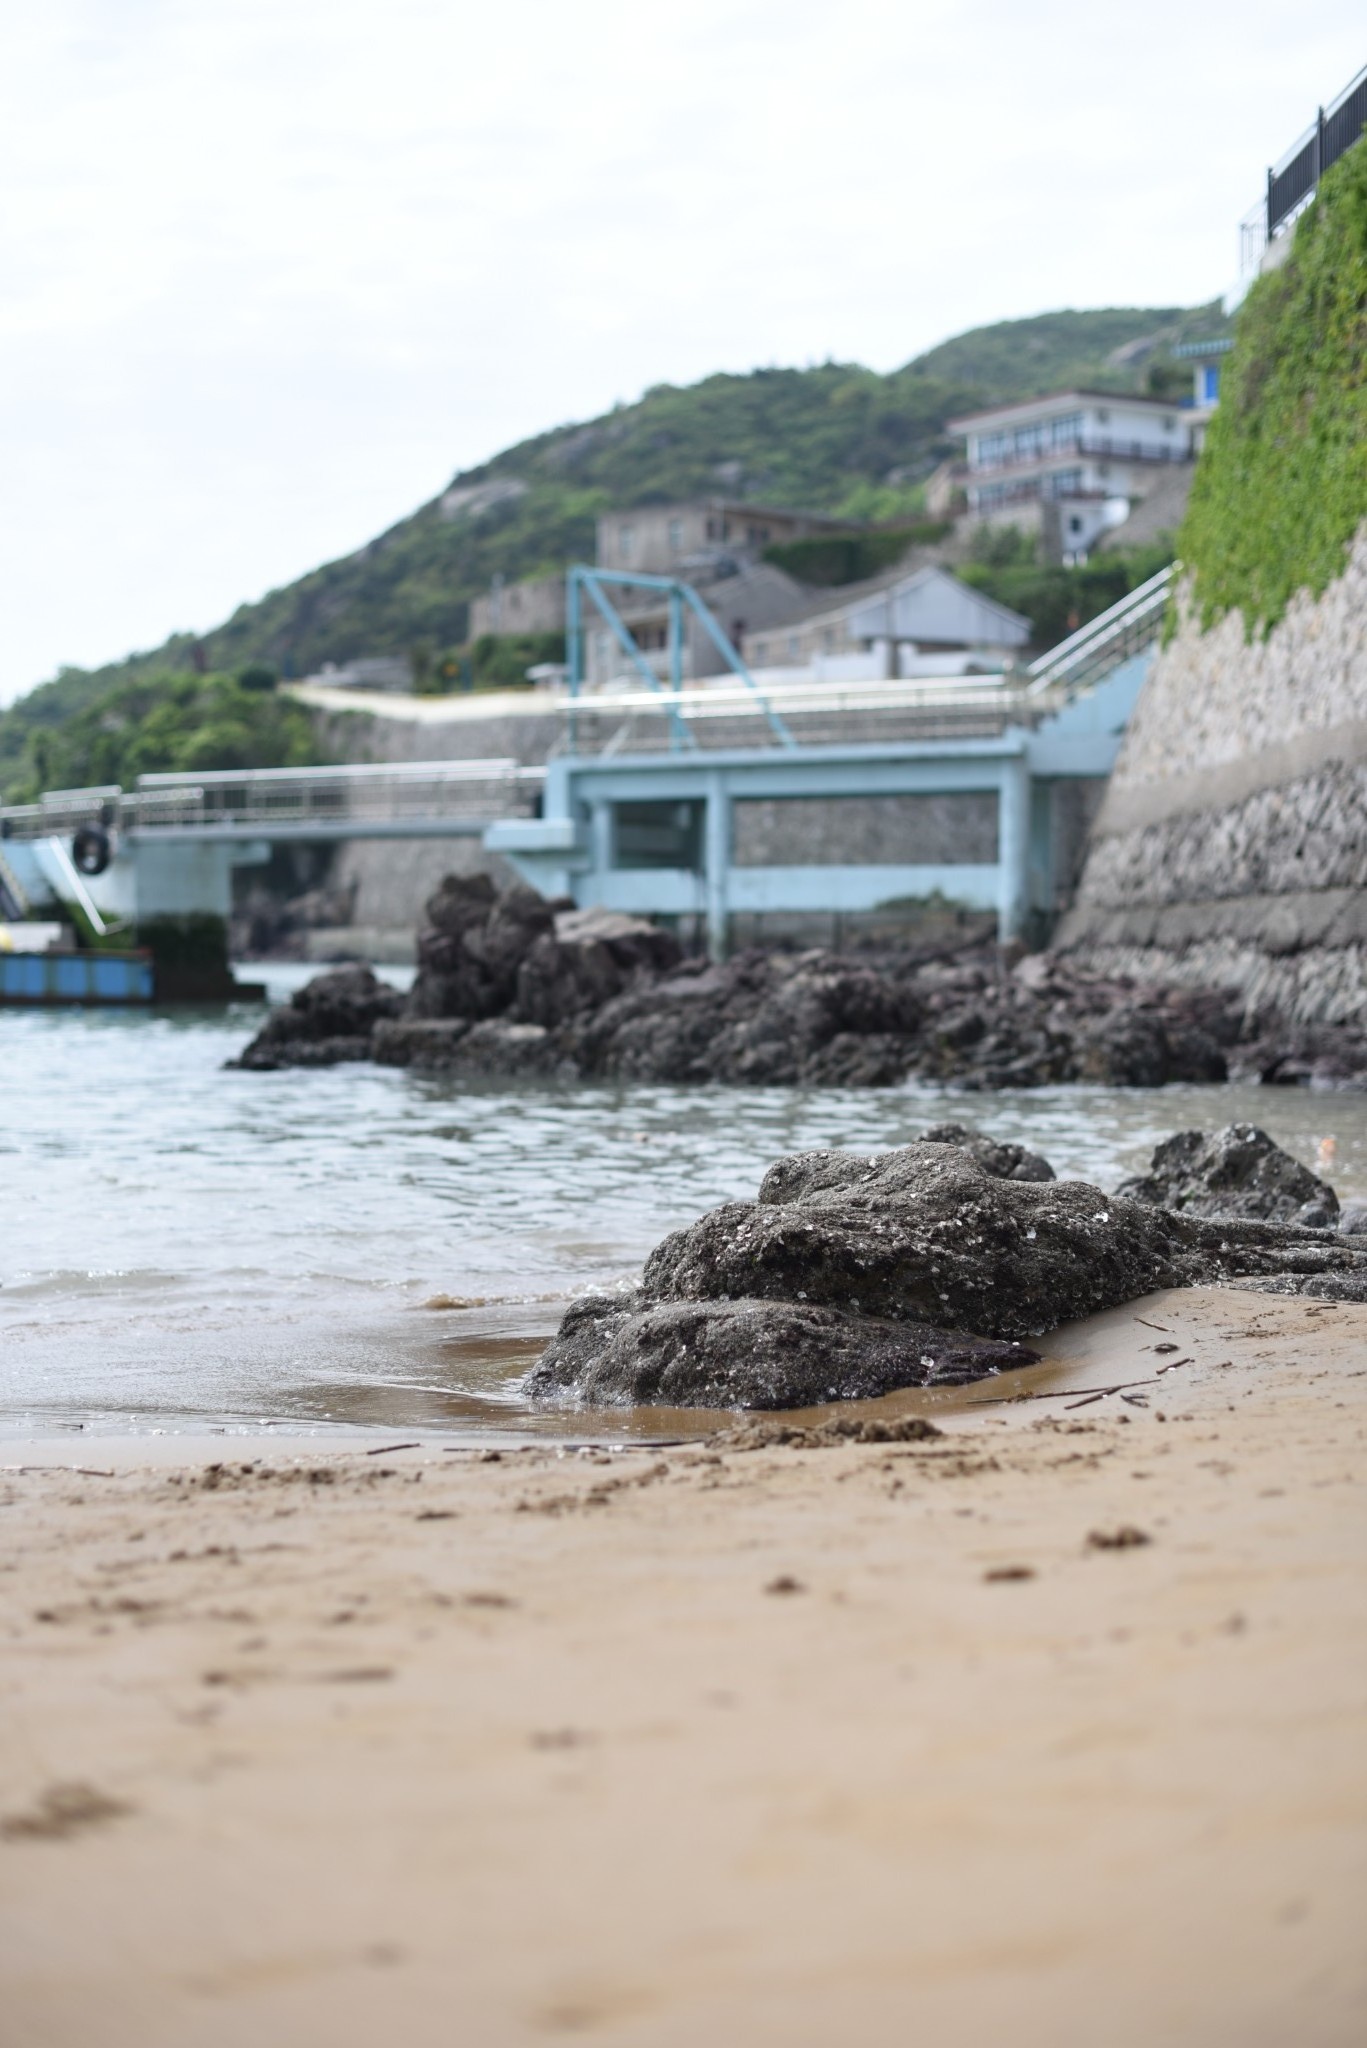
[{"x": 274, "y": 269}]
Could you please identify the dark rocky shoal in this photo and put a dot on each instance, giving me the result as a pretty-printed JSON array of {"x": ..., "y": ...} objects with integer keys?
[
  {"x": 510, "y": 985},
  {"x": 851, "y": 1275}
]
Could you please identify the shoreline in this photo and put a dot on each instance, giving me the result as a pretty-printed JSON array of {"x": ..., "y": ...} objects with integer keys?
[
  {"x": 784, "y": 1744},
  {"x": 1075, "y": 1360}
]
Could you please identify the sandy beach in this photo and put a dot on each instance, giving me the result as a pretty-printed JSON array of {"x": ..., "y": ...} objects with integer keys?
[{"x": 1051, "y": 1727}]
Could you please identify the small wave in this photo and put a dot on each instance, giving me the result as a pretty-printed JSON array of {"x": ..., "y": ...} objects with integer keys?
[{"x": 64, "y": 1282}]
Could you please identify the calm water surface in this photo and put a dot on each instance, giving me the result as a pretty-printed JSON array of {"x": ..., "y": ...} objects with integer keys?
[{"x": 183, "y": 1246}]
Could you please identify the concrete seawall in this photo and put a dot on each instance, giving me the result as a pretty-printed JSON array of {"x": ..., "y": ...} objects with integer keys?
[{"x": 1231, "y": 847}]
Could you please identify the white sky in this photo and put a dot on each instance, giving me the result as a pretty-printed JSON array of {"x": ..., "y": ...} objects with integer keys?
[{"x": 274, "y": 269}]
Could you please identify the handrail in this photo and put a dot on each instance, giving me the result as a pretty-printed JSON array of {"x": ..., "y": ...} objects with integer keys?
[
  {"x": 363, "y": 791},
  {"x": 1136, "y": 618},
  {"x": 499, "y": 768},
  {"x": 720, "y": 701},
  {"x": 1102, "y": 620}
]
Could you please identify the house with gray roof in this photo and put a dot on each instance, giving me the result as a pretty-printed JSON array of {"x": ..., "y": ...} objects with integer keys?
[{"x": 911, "y": 621}]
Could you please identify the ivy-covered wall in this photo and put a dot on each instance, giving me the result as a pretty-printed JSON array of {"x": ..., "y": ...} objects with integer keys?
[{"x": 1282, "y": 485}]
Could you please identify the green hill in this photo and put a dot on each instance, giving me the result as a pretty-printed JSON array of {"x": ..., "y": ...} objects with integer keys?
[{"x": 836, "y": 438}]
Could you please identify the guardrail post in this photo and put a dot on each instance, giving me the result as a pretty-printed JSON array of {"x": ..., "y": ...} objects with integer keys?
[
  {"x": 601, "y": 836},
  {"x": 1013, "y": 849},
  {"x": 717, "y": 865}
]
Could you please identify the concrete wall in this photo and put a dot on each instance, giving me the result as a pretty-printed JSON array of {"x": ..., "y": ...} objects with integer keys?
[
  {"x": 866, "y": 831},
  {"x": 1231, "y": 846}
]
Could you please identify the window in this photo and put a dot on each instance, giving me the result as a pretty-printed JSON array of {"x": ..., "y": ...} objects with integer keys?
[
  {"x": 676, "y": 535},
  {"x": 658, "y": 835},
  {"x": 1168, "y": 425},
  {"x": 624, "y": 543}
]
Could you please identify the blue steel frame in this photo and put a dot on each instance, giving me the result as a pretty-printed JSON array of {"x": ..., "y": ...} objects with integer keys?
[
  {"x": 569, "y": 850},
  {"x": 580, "y": 580}
]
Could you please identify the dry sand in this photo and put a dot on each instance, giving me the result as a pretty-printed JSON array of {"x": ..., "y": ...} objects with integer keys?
[{"x": 429, "y": 1747}]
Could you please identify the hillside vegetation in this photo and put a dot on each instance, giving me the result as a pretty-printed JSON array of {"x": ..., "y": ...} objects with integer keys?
[
  {"x": 835, "y": 438},
  {"x": 1282, "y": 486},
  {"x": 164, "y": 721}
]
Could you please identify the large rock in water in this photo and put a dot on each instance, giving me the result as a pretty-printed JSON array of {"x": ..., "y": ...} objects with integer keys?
[
  {"x": 472, "y": 947},
  {"x": 1239, "y": 1171},
  {"x": 330, "y": 1019},
  {"x": 862, "y": 1273}
]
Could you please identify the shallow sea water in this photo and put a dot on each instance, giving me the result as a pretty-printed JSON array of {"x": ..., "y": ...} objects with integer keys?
[{"x": 184, "y": 1247}]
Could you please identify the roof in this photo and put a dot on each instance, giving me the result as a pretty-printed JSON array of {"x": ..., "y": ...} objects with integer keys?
[
  {"x": 1023, "y": 408},
  {"x": 928, "y": 603}
]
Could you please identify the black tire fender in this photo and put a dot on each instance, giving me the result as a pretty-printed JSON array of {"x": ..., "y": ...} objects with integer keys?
[{"x": 90, "y": 850}]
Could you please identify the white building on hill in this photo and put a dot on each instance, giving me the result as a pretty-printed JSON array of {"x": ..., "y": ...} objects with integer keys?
[{"x": 1079, "y": 458}]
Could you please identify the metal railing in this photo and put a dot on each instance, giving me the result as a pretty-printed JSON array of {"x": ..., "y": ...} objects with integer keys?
[
  {"x": 389, "y": 793},
  {"x": 936, "y": 708},
  {"x": 1123, "y": 630},
  {"x": 1103, "y": 445},
  {"x": 1293, "y": 180}
]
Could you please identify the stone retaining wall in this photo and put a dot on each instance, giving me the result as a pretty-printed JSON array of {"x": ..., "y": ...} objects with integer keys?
[{"x": 1231, "y": 846}]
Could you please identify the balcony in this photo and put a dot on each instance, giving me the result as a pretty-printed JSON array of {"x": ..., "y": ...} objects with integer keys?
[{"x": 1109, "y": 447}]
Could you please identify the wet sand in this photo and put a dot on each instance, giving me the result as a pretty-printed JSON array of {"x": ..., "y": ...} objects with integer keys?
[{"x": 1049, "y": 1729}]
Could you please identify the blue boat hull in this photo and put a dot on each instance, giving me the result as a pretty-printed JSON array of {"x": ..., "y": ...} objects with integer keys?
[{"x": 76, "y": 978}]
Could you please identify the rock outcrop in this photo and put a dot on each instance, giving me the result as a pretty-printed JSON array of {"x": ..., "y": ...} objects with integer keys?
[
  {"x": 1004, "y": 1162},
  {"x": 332, "y": 1018},
  {"x": 509, "y": 984},
  {"x": 751, "y": 1354},
  {"x": 1238, "y": 1171},
  {"x": 851, "y": 1275}
]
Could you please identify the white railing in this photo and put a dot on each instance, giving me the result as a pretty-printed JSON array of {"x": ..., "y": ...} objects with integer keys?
[
  {"x": 1104, "y": 642},
  {"x": 364, "y": 793},
  {"x": 725, "y": 700}
]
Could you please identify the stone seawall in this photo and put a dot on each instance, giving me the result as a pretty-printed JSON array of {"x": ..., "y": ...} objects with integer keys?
[{"x": 1232, "y": 843}]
